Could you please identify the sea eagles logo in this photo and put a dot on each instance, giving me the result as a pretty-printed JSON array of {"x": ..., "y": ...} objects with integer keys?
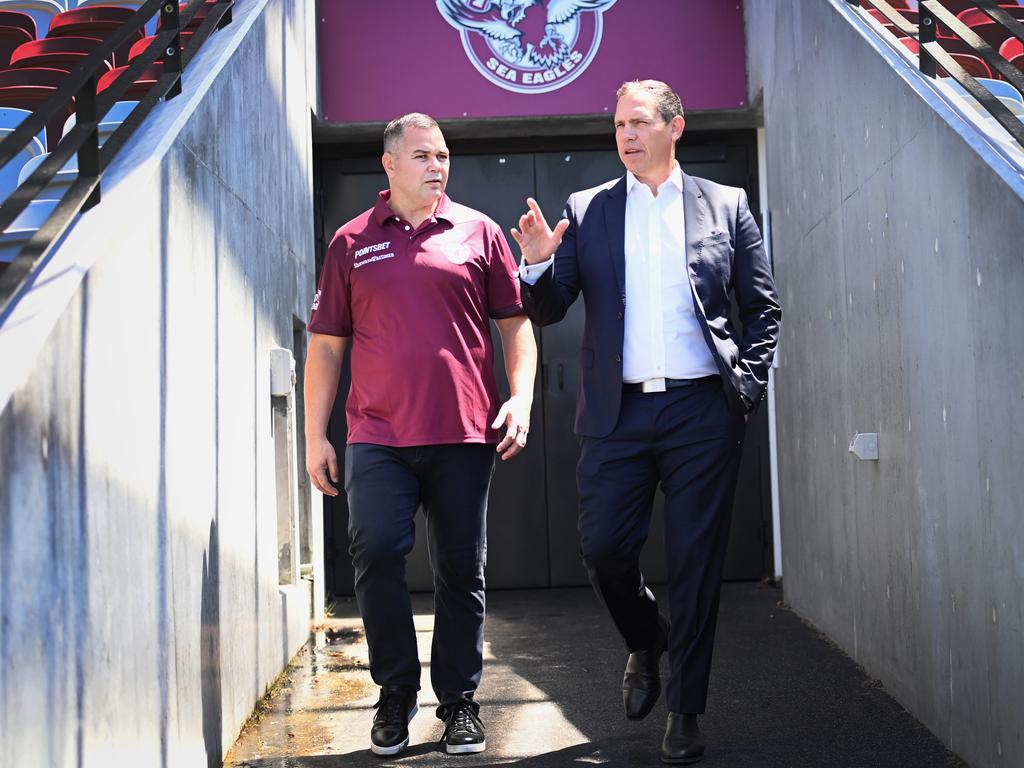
[{"x": 528, "y": 46}]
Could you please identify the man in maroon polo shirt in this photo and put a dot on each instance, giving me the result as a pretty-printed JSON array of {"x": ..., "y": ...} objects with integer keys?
[{"x": 413, "y": 284}]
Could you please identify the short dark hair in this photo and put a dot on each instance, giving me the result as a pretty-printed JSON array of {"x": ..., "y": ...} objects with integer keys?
[
  {"x": 395, "y": 129},
  {"x": 667, "y": 100}
]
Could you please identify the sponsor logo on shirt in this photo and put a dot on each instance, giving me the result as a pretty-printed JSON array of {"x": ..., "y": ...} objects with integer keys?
[
  {"x": 372, "y": 259},
  {"x": 525, "y": 46},
  {"x": 372, "y": 249}
]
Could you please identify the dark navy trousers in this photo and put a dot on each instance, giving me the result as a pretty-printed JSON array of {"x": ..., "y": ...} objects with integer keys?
[
  {"x": 386, "y": 486},
  {"x": 688, "y": 440}
]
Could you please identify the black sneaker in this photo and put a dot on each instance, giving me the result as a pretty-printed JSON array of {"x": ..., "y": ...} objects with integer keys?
[
  {"x": 463, "y": 731},
  {"x": 396, "y": 708}
]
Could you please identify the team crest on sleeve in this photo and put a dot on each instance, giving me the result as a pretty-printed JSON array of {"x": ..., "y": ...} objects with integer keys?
[
  {"x": 316, "y": 301},
  {"x": 528, "y": 46}
]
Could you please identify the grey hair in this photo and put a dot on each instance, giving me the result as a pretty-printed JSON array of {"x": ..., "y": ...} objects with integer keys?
[
  {"x": 666, "y": 99},
  {"x": 396, "y": 128}
]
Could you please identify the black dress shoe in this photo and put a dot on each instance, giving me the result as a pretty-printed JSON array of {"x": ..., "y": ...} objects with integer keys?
[
  {"x": 683, "y": 743},
  {"x": 641, "y": 684},
  {"x": 390, "y": 732}
]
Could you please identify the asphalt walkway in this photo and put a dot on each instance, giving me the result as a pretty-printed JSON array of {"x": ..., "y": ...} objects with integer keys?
[{"x": 781, "y": 696}]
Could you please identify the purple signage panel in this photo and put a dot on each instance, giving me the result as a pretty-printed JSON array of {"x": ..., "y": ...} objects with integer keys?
[{"x": 504, "y": 58}]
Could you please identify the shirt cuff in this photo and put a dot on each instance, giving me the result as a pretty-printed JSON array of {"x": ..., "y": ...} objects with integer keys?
[{"x": 530, "y": 273}]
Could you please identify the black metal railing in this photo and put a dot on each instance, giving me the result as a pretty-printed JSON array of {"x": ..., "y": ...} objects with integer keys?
[
  {"x": 83, "y": 139},
  {"x": 931, "y": 54}
]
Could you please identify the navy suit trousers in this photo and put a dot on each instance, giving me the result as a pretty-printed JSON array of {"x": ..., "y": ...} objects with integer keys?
[
  {"x": 688, "y": 440},
  {"x": 386, "y": 486}
]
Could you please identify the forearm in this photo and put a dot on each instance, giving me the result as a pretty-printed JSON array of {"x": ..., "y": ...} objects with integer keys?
[
  {"x": 323, "y": 367},
  {"x": 520, "y": 351}
]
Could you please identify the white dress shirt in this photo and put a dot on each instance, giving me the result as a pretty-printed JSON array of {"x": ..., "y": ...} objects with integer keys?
[{"x": 663, "y": 338}]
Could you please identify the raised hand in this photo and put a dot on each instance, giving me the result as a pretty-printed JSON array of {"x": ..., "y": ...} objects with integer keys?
[{"x": 536, "y": 239}]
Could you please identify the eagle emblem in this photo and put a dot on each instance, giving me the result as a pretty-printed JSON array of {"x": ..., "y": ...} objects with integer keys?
[{"x": 528, "y": 46}]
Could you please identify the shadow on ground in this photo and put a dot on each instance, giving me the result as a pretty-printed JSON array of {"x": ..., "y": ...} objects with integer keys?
[{"x": 781, "y": 696}]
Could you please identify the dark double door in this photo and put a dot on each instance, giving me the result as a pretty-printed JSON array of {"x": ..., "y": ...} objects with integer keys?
[{"x": 532, "y": 537}]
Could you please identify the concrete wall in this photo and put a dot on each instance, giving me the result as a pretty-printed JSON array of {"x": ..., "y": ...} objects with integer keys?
[
  {"x": 898, "y": 254},
  {"x": 141, "y": 611}
]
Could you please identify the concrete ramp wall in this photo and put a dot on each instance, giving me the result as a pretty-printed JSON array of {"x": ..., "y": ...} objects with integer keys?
[
  {"x": 141, "y": 609},
  {"x": 897, "y": 237}
]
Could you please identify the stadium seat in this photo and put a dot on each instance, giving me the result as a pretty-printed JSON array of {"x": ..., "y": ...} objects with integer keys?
[
  {"x": 55, "y": 52},
  {"x": 28, "y": 88},
  {"x": 10, "y": 39},
  {"x": 110, "y": 122},
  {"x": 974, "y": 16},
  {"x": 36, "y": 213},
  {"x": 140, "y": 87},
  {"x": 145, "y": 42},
  {"x": 133, "y": 4},
  {"x": 1002, "y": 90},
  {"x": 10, "y": 173},
  {"x": 97, "y": 21},
  {"x": 1013, "y": 51},
  {"x": 42, "y": 12},
  {"x": 18, "y": 19}
]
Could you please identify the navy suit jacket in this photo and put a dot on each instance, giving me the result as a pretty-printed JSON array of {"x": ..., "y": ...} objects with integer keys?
[{"x": 724, "y": 255}]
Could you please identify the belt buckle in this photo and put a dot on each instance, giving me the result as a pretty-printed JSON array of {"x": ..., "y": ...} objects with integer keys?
[{"x": 653, "y": 385}]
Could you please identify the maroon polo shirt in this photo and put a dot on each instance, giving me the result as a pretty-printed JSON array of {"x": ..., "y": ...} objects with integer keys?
[{"x": 417, "y": 304}]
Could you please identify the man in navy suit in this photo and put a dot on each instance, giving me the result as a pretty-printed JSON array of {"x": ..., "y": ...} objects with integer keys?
[{"x": 667, "y": 382}]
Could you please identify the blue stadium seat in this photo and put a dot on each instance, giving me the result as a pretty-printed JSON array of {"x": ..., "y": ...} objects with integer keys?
[
  {"x": 1002, "y": 89},
  {"x": 10, "y": 173}
]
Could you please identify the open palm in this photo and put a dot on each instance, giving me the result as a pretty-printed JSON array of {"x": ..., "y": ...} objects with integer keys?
[{"x": 536, "y": 239}]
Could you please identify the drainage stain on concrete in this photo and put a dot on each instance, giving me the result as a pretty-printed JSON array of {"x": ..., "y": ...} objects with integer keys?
[{"x": 296, "y": 719}]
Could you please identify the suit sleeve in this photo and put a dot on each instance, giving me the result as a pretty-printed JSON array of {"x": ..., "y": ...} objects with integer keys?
[
  {"x": 547, "y": 300},
  {"x": 759, "y": 309}
]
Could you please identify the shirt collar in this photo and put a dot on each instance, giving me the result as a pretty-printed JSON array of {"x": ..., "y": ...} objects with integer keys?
[
  {"x": 675, "y": 179},
  {"x": 382, "y": 211}
]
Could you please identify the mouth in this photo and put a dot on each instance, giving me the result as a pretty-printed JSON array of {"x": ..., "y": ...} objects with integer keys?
[{"x": 632, "y": 152}]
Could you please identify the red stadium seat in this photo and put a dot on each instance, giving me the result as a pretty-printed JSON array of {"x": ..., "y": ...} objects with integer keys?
[
  {"x": 139, "y": 88},
  {"x": 95, "y": 21},
  {"x": 19, "y": 20},
  {"x": 55, "y": 52},
  {"x": 11, "y": 38},
  {"x": 974, "y": 16},
  {"x": 975, "y": 66},
  {"x": 145, "y": 42},
  {"x": 28, "y": 88},
  {"x": 1013, "y": 51}
]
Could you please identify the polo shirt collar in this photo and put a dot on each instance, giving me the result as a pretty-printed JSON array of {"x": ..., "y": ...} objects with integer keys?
[
  {"x": 382, "y": 211},
  {"x": 675, "y": 178}
]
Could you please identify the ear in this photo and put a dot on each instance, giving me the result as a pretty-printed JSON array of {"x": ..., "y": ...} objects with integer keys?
[
  {"x": 388, "y": 161},
  {"x": 677, "y": 126}
]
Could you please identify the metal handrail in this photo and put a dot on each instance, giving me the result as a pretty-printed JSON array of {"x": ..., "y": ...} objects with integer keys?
[
  {"x": 83, "y": 138},
  {"x": 931, "y": 54}
]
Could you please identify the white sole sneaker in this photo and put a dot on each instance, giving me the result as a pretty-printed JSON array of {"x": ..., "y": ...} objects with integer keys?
[
  {"x": 385, "y": 751},
  {"x": 465, "y": 749}
]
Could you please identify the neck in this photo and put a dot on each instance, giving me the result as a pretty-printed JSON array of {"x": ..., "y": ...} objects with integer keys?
[
  {"x": 413, "y": 211},
  {"x": 656, "y": 178}
]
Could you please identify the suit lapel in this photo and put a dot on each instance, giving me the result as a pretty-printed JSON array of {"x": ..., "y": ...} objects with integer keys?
[
  {"x": 615, "y": 225},
  {"x": 693, "y": 212}
]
